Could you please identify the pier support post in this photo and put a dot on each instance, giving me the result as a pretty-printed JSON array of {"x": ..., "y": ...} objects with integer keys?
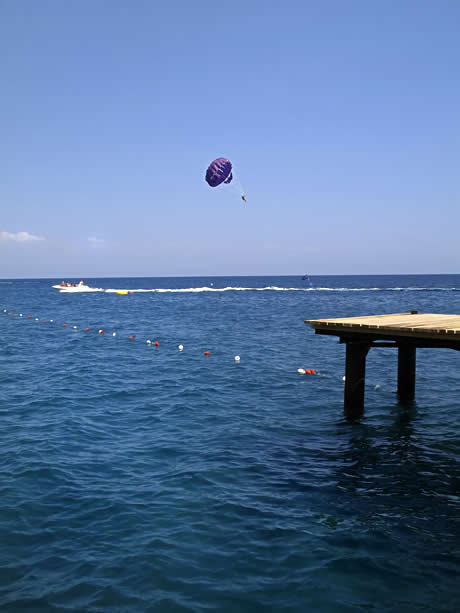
[
  {"x": 406, "y": 372},
  {"x": 355, "y": 374}
]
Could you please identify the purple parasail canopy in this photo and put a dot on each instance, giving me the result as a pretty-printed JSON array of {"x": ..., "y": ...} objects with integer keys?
[{"x": 219, "y": 171}]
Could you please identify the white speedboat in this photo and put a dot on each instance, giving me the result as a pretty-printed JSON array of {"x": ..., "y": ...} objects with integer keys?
[{"x": 70, "y": 288}]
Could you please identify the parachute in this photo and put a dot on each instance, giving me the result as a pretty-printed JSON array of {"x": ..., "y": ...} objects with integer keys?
[{"x": 221, "y": 171}]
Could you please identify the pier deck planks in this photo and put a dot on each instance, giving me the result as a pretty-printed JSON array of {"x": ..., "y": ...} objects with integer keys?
[{"x": 410, "y": 325}]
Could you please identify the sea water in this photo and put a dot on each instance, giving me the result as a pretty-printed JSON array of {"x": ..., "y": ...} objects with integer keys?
[{"x": 138, "y": 477}]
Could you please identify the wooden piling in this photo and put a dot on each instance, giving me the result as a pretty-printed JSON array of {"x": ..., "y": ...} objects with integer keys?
[
  {"x": 406, "y": 372},
  {"x": 355, "y": 375},
  {"x": 404, "y": 331}
]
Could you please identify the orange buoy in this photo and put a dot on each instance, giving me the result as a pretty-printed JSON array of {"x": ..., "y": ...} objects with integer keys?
[
  {"x": 156, "y": 343},
  {"x": 86, "y": 329},
  {"x": 28, "y": 316},
  {"x": 312, "y": 370},
  {"x": 307, "y": 371},
  {"x": 131, "y": 338},
  {"x": 206, "y": 353},
  {"x": 64, "y": 325}
]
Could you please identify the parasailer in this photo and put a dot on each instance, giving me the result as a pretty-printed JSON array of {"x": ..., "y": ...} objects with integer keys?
[{"x": 221, "y": 171}]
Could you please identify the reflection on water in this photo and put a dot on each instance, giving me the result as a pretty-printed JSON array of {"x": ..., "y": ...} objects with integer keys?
[{"x": 397, "y": 472}]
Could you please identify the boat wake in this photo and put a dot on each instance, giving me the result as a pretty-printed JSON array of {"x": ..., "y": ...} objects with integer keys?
[{"x": 274, "y": 288}]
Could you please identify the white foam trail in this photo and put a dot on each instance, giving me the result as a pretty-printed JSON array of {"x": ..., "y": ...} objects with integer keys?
[
  {"x": 274, "y": 288},
  {"x": 268, "y": 288},
  {"x": 182, "y": 290}
]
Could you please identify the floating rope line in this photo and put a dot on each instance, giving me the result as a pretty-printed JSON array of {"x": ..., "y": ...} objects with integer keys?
[{"x": 132, "y": 337}]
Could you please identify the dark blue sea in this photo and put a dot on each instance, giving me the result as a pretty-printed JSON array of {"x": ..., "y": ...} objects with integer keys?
[{"x": 135, "y": 477}]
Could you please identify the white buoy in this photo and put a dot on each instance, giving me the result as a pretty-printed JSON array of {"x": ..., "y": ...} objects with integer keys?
[
  {"x": 75, "y": 327},
  {"x": 114, "y": 333},
  {"x": 149, "y": 342},
  {"x": 301, "y": 371},
  {"x": 20, "y": 314},
  {"x": 237, "y": 358},
  {"x": 377, "y": 387},
  {"x": 343, "y": 378},
  {"x": 51, "y": 321},
  {"x": 36, "y": 319},
  {"x": 181, "y": 347}
]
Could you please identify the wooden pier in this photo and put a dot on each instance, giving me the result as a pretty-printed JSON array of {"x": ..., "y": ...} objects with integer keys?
[{"x": 404, "y": 331}]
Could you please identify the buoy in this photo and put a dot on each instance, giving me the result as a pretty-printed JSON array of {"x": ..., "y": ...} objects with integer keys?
[
  {"x": 206, "y": 353},
  {"x": 36, "y": 319},
  {"x": 148, "y": 342},
  {"x": 20, "y": 314},
  {"x": 122, "y": 293},
  {"x": 301, "y": 371},
  {"x": 237, "y": 358},
  {"x": 114, "y": 333},
  {"x": 156, "y": 343},
  {"x": 307, "y": 371},
  {"x": 75, "y": 327},
  {"x": 101, "y": 331},
  {"x": 86, "y": 329},
  {"x": 131, "y": 338},
  {"x": 377, "y": 387},
  {"x": 64, "y": 325},
  {"x": 343, "y": 378},
  {"x": 51, "y": 321},
  {"x": 312, "y": 370},
  {"x": 29, "y": 316},
  {"x": 181, "y": 347}
]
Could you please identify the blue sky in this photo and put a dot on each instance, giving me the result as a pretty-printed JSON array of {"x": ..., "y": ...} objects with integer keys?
[{"x": 342, "y": 120}]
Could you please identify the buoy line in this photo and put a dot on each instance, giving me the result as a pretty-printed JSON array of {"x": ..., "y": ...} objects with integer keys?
[
  {"x": 156, "y": 344},
  {"x": 101, "y": 331},
  {"x": 149, "y": 342}
]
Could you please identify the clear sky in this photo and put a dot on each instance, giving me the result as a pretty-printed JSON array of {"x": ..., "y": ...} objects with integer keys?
[{"x": 342, "y": 119}]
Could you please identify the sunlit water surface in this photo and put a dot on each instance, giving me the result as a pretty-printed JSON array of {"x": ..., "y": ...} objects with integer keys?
[{"x": 137, "y": 477}]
